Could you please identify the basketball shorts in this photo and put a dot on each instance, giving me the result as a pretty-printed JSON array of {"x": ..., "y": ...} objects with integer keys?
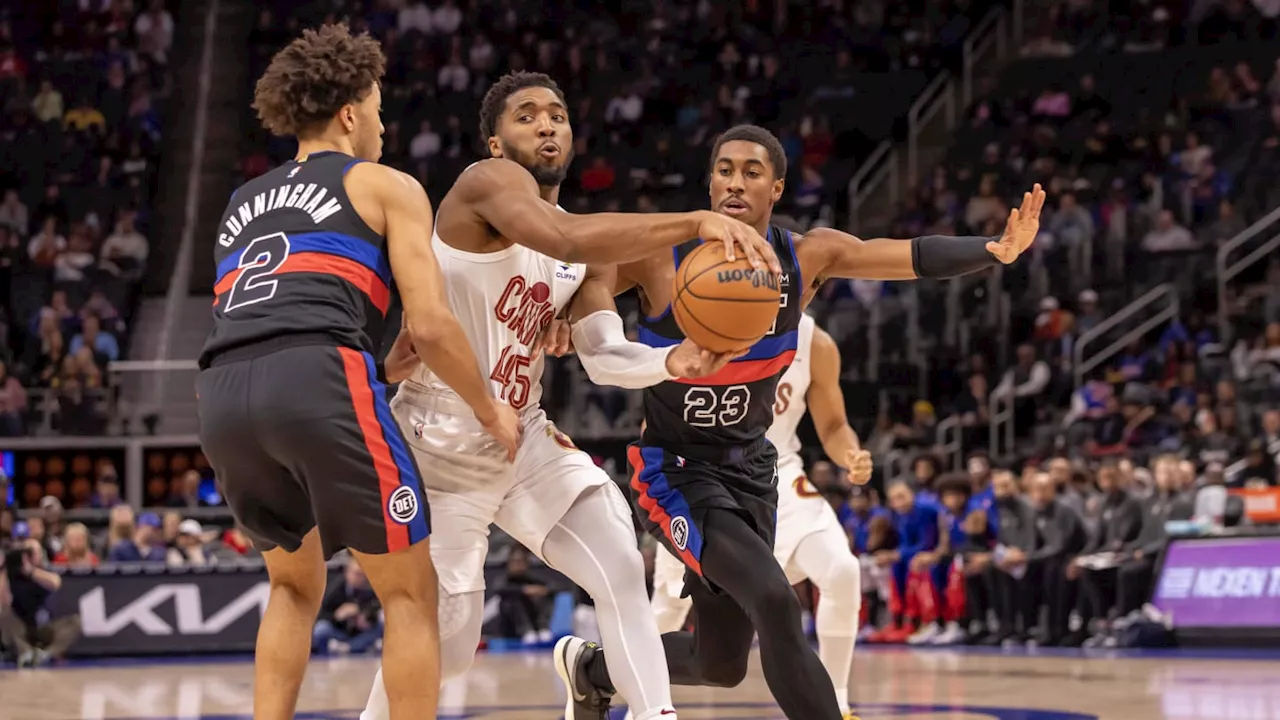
[
  {"x": 802, "y": 511},
  {"x": 471, "y": 484},
  {"x": 673, "y": 488},
  {"x": 303, "y": 437}
]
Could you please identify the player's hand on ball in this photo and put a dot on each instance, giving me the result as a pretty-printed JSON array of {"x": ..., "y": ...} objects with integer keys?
[
  {"x": 1022, "y": 228},
  {"x": 860, "y": 467},
  {"x": 555, "y": 339},
  {"x": 401, "y": 359},
  {"x": 737, "y": 235},
  {"x": 504, "y": 426},
  {"x": 688, "y": 360}
]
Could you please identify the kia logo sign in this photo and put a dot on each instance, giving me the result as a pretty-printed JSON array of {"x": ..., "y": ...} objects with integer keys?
[{"x": 188, "y": 609}]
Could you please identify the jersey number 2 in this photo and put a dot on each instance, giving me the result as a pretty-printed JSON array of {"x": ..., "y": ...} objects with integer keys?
[
  {"x": 261, "y": 259},
  {"x": 704, "y": 407}
]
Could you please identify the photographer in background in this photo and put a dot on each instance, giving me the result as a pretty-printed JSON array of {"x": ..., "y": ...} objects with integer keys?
[{"x": 25, "y": 626}]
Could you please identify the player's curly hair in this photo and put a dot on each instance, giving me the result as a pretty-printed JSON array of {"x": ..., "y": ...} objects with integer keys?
[
  {"x": 758, "y": 135},
  {"x": 314, "y": 76},
  {"x": 507, "y": 85}
]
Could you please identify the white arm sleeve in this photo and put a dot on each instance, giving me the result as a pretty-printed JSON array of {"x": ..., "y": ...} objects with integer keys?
[{"x": 611, "y": 359}]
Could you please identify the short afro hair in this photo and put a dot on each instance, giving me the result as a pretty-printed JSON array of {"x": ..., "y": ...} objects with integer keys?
[
  {"x": 508, "y": 85},
  {"x": 314, "y": 76},
  {"x": 760, "y": 136}
]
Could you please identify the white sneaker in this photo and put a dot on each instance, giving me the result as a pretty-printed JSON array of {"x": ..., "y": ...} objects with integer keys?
[
  {"x": 924, "y": 635},
  {"x": 952, "y": 634}
]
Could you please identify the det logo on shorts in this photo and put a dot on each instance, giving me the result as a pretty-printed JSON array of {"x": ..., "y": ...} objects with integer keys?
[
  {"x": 680, "y": 532},
  {"x": 402, "y": 506}
]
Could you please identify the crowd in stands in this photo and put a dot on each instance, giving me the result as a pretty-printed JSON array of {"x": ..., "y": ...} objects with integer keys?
[
  {"x": 1061, "y": 553},
  {"x": 80, "y": 85}
]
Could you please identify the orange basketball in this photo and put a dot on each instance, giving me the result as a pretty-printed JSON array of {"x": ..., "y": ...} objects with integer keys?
[{"x": 723, "y": 306}]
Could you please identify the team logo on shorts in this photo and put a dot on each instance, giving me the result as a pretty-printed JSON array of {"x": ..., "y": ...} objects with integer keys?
[
  {"x": 403, "y": 505},
  {"x": 680, "y": 532}
]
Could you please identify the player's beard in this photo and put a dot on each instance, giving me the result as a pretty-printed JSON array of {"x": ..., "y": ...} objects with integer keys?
[{"x": 545, "y": 175}]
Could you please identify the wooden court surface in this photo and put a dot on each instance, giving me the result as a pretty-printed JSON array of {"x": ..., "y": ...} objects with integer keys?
[{"x": 888, "y": 683}]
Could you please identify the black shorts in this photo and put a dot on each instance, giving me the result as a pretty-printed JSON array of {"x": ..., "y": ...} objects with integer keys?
[
  {"x": 303, "y": 437},
  {"x": 674, "y": 487}
]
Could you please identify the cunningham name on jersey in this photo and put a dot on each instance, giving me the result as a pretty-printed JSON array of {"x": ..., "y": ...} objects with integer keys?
[{"x": 307, "y": 197}]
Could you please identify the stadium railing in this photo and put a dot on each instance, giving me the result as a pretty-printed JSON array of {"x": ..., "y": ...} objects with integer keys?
[
  {"x": 1267, "y": 227},
  {"x": 1163, "y": 299}
]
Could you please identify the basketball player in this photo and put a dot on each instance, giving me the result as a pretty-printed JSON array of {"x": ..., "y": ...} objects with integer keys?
[
  {"x": 512, "y": 261},
  {"x": 810, "y": 543},
  {"x": 704, "y": 476},
  {"x": 293, "y": 413}
]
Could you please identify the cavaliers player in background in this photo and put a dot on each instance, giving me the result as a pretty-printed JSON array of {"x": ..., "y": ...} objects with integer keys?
[
  {"x": 810, "y": 542},
  {"x": 512, "y": 261},
  {"x": 293, "y": 411},
  {"x": 704, "y": 475}
]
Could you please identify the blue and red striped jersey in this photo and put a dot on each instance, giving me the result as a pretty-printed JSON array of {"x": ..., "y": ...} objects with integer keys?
[
  {"x": 735, "y": 405},
  {"x": 294, "y": 257}
]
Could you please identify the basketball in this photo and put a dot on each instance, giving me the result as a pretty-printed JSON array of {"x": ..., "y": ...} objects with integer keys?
[{"x": 723, "y": 306}]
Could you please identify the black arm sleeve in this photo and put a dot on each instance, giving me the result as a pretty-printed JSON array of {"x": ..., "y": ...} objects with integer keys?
[{"x": 942, "y": 256}]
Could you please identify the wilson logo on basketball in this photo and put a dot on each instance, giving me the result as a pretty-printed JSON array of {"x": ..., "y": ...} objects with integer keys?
[
  {"x": 403, "y": 505},
  {"x": 757, "y": 278}
]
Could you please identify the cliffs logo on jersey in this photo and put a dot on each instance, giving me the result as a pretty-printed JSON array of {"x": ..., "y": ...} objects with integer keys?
[
  {"x": 524, "y": 309},
  {"x": 566, "y": 272}
]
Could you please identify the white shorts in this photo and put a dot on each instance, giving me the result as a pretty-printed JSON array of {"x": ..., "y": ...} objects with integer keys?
[
  {"x": 802, "y": 511},
  {"x": 470, "y": 484},
  {"x": 668, "y": 574}
]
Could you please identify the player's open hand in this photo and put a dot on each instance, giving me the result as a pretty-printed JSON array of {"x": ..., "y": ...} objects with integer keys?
[
  {"x": 859, "y": 465},
  {"x": 556, "y": 339},
  {"x": 739, "y": 237},
  {"x": 1022, "y": 228},
  {"x": 504, "y": 426},
  {"x": 688, "y": 360},
  {"x": 401, "y": 359}
]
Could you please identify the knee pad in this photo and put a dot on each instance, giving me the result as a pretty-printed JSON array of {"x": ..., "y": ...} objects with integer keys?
[
  {"x": 773, "y": 598},
  {"x": 460, "y": 618},
  {"x": 727, "y": 672},
  {"x": 841, "y": 601}
]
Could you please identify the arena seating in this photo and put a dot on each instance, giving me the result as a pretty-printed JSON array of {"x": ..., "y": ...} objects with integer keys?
[{"x": 79, "y": 144}]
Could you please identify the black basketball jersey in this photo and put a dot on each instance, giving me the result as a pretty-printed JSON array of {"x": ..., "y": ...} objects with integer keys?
[
  {"x": 294, "y": 258},
  {"x": 735, "y": 405}
]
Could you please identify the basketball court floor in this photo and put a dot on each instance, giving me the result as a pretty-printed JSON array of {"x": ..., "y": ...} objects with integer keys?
[{"x": 901, "y": 684}]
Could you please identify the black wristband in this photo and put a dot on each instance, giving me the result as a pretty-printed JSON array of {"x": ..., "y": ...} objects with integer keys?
[
  {"x": 943, "y": 256},
  {"x": 381, "y": 369}
]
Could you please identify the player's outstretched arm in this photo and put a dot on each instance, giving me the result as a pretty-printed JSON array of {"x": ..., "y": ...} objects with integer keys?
[
  {"x": 826, "y": 406},
  {"x": 610, "y": 358},
  {"x": 437, "y": 336},
  {"x": 505, "y": 196},
  {"x": 826, "y": 253}
]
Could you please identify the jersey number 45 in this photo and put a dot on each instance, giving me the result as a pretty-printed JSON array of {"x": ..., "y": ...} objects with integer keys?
[{"x": 512, "y": 373}]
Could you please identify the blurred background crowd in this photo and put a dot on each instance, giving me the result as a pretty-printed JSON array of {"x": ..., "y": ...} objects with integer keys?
[{"x": 1114, "y": 381}]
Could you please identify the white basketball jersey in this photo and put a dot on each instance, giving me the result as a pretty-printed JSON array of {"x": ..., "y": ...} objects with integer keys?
[
  {"x": 503, "y": 299},
  {"x": 789, "y": 406}
]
